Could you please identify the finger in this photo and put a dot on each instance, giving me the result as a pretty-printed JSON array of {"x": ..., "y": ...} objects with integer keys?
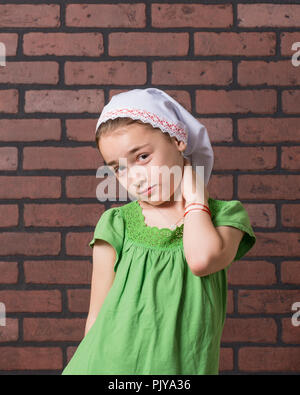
[{"x": 187, "y": 161}]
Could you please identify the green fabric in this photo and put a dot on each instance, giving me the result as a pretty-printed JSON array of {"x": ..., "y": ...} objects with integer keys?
[{"x": 158, "y": 317}]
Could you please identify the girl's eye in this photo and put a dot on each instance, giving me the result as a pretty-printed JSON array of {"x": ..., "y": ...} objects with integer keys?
[
  {"x": 143, "y": 155},
  {"x": 121, "y": 168},
  {"x": 118, "y": 169}
]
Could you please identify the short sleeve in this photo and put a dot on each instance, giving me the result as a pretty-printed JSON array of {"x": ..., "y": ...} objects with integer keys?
[
  {"x": 233, "y": 213},
  {"x": 110, "y": 228}
]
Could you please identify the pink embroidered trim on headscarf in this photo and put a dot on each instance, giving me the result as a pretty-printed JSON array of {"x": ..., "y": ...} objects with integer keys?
[{"x": 146, "y": 115}]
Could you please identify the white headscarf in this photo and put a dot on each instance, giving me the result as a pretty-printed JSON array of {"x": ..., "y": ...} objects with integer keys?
[{"x": 156, "y": 107}]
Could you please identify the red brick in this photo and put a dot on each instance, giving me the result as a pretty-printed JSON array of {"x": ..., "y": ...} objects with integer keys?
[
  {"x": 29, "y": 243},
  {"x": 60, "y": 214},
  {"x": 252, "y": 330},
  {"x": 226, "y": 359},
  {"x": 191, "y": 15},
  {"x": 9, "y": 272},
  {"x": 30, "y": 15},
  {"x": 77, "y": 243},
  {"x": 245, "y": 158},
  {"x": 105, "y": 72},
  {"x": 106, "y": 15},
  {"x": 148, "y": 44},
  {"x": 251, "y": 273},
  {"x": 78, "y": 300},
  {"x": 8, "y": 158},
  {"x": 53, "y": 329},
  {"x": 290, "y": 272},
  {"x": 269, "y": 15},
  {"x": 68, "y": 101},
  {"x": 287, "y": 39},
  {"x": 57, "y": 272},
  {"x": 81, "y": 186},
  {"x": 81, "y": 129},
  {"x": 290, "y": 215},
  {"x": 263, "y": 215},
  {"x": 61, "y": 158},
  {"x": 235, "y": 44},
  {"x": 268, "y": 73},
  {"x": 30, "y": 129},
  {"x": 9, "y": 100},
  {"x": 290, "y": 101},
  {"x": 29, "y": 73},
  {"x": 276, "y": 244},
  {"x": 221, "y": 187},
  {"x": 252, "y": 186},
  {"x": 268, "y": 130},
  {"x": 30, "y": 358},
  {"x": 61, "y": 44},
  {"x": 281, "y": 359},
  {"x": 236, "y": 101},
  {"x": 9, "y": 214},
  {"x": 9, "y": 332},
  {"x": 183, "y": 97},
  {"x": 10, "y": 40},
  {"x": 30, "y": 301},
  {"x": 266, "y": 301},
  {"x": 219, "y": 129},
  {"x": 32, "y": 187},
  {"x": 230, "y": 302},
  {"x": 70, "y": 352},
  {"x": 290, "y": 158},
  {"x": 188, "y": 72},
  {"x": 290, "y": 333}
]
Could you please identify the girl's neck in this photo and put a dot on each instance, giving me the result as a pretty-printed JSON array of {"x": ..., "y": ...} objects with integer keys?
[{"x": 169, "y": 205}]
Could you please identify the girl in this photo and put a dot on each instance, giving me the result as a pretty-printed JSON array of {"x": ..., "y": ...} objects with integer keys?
[{"x": 159, "y": 283}]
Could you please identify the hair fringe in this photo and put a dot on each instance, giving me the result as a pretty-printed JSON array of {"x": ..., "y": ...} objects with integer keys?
[{"x": 107, "y": 128}]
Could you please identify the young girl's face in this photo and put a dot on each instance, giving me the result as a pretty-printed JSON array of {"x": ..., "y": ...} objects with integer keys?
[{"x": 140, "y": 169}]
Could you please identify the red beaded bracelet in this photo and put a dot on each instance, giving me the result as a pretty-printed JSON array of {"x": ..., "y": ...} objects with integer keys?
[
  {"x": 192, "y": 209},
  {"x": 206, "y": 207}
]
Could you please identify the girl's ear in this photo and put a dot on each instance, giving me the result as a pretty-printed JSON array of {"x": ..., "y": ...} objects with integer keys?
[
  {"x": 180, "y": 144},
  {"x": 183, "y": 146}
]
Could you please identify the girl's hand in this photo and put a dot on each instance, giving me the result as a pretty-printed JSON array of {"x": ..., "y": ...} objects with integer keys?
[{"x": 193, "y": 188}]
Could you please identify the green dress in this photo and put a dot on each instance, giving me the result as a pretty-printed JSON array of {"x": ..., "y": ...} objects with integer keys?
[{"x": 158, "y": 317}]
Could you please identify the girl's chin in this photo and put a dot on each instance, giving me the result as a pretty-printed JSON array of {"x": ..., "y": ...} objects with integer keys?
[{"x": 154, "y": 199}]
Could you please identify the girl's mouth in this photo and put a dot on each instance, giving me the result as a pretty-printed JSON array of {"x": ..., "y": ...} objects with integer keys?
[{"x": 147, "y": 191}]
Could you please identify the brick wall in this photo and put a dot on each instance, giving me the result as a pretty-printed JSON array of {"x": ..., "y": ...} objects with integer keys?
[{"x": 230, "y": 64}]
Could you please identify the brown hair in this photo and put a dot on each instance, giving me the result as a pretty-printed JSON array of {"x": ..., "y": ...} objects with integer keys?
[{"x": 108, "y": 127}]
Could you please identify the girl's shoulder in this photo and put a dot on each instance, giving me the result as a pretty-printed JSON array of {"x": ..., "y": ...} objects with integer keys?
[
  {"x": 121, "y": 214},
  {"x": 127, "y": 209},
  {"x": 110, "y": 226},
  {"x": 233, "y": 213},
  {"x": 126, "y": 206},
  {"x": 232, "y": 210}
]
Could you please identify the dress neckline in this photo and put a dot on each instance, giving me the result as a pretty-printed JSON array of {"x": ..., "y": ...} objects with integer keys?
[
  {"x": 138, "y": 232},
  {"x": 149, "y": 236},
  {"x": 162, "y": 230}
]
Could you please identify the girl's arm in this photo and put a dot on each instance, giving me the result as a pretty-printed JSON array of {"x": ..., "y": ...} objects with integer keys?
[
  {"x": 103, "y": 275},
  {"x": 202, "y": 243},
  {"x": 207, "y": 249}
]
